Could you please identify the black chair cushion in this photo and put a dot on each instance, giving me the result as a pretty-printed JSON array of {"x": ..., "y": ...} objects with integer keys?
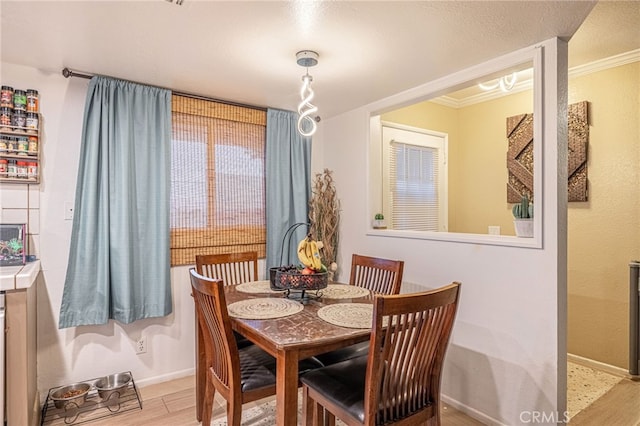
[
  {"x": 344, "y": 354},
  {"x": 258, "y": 368},
  {"x": 241, "y": 341},
  {"x": 342, "y": 384}
]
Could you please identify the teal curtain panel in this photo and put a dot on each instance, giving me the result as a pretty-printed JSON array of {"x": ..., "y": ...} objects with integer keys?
[
  {"x": 119, "y": 256},
  {"x": 288, "y": 186}
]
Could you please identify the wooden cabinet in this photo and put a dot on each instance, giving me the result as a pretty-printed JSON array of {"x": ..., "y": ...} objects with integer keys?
[{"x": 22, "y": 397}]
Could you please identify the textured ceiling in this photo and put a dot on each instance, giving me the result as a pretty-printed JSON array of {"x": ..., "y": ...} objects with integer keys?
[{"x": 245, "y": 51}]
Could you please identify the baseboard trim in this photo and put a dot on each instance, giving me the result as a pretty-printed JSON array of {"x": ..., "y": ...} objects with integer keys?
[
  {"x": 597, "y": 365},
  {"x": 164, "y": 377},
  {"x": 471, "y": 412}
]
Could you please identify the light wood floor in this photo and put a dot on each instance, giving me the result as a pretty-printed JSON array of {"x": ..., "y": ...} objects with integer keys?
[
  {"x": 173, "y": 404},
  {"x": 620, "y": 407}
]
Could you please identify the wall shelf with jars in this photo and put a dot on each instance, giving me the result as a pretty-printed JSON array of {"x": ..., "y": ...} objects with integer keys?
[{"x": 19, "y": 135}]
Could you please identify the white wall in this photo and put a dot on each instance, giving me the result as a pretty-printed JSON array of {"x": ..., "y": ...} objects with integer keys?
[{"x": 508, "y": 350}]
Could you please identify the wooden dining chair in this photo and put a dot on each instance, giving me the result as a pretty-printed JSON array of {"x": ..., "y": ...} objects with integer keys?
[
  {"x": 231, "y": 268},
  {"x": 398, "y": 382},
  {"x": 239, "y": 375},
  {"x": 381, "y": 276}
]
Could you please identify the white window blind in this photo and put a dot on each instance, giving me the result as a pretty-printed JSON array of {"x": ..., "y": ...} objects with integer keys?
[{"x": 413, "y": 172}]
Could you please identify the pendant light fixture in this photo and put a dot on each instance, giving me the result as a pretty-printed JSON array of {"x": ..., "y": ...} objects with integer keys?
[
  {"x": 306, "y": 122},
  {"x": 505, "y": 83}
]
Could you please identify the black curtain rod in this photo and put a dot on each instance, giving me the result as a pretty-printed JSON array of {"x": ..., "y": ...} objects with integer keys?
[{"x": 66, "y": 72}]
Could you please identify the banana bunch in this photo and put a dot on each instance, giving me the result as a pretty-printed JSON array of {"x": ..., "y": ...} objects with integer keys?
[{"x": 309, "y": 253}]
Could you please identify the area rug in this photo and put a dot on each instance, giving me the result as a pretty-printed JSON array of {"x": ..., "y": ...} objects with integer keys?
[
  {"x": 585, "y": 385},
  {"x": 259, "y": 415}
]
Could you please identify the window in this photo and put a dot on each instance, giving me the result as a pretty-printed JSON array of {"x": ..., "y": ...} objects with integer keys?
[
  {"x": 475, "y": 122},
  {"x": 217, "y": 179},
  {"x": 416, "y": 173}
]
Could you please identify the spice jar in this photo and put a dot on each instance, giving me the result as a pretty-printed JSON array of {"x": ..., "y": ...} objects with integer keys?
[
  {"x": 32, "y": 100},
  {"x": 33, "y": 145},
  {"x": 18, "y": 121},
  {"x": 12, "y": 144},
  {"x": 32, "y": 122},
  {"x": 6, "y": 97},
  {"x": 3, "y": 167},
  {"x": 12, "y": 169},
  {"x": 22, "y": 169},
  {"x": 23, "y": 145},
  {"x": 32, "y": 170},
  {"x": 5, "y": 116},
  {"x": 20, "y": 100},
  {"x": 3, "y": 143}
]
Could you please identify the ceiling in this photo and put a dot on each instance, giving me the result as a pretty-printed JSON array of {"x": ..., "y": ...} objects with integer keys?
[{"x": 245, "y": 51}]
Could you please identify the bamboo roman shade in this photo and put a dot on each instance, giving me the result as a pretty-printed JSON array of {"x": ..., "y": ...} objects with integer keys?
[{"x": 217, "y": 179}]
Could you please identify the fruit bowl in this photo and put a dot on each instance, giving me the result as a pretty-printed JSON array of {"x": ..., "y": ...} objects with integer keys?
[
  {"x": 272, "y": 276},
  {"x": 294, "y": 280}
]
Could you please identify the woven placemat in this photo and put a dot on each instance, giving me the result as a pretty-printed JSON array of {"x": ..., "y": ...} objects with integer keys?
[
  {"x": 351, "y": 315},
  {"x": 256, "y": 287},
  {"x": 344, "y": 291},
  {"x": 264, "y": 308}
]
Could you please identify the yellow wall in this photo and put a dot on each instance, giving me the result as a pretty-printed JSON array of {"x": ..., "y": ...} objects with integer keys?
[
  {"x": 604, "y": 232},
  {"x": 481, "y": 198},
  {"x": 477, "y": 157}
]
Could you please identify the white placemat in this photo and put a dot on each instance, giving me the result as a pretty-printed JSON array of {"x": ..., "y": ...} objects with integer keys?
[
  {"x": 344, "y": 291},
  {"x": 351, "y": 315},
  {"x": 256, "y": 287},
  {"x": 264, "y": 308}
]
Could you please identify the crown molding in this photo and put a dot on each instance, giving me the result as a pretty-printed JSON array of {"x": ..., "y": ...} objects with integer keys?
[
  {"x": 577, "y": 71},
  {"x": 606, "y": 63}
]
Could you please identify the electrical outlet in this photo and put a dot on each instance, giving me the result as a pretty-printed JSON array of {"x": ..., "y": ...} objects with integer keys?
[
  {"x": 68, "y": 210},
  {"x": 141, "y": 346},
  {"x": 494, "y": 230}
]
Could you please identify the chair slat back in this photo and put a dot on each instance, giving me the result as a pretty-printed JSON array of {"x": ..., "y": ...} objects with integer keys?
[
  {"x": 220, "y": 348},
  {"x": 383, "y": 276},
  {"x": 231, "y": 268},
  {"x": 408, "y": 344}
]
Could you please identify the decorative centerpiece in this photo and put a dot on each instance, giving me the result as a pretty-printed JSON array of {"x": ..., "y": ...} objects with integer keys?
[
  {"x": 523, "y": 214},
  {"x": 310, "y": 275},
  {"x": 324, "y": 218}
]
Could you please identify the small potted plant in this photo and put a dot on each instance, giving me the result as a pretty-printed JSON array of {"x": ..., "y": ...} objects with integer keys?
[
  {"x": 378, "y": 221},
  {"x": 523, "y": 218}
]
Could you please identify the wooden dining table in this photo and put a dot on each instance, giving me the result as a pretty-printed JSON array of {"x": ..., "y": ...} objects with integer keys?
[{"x": 288, "y": 339}]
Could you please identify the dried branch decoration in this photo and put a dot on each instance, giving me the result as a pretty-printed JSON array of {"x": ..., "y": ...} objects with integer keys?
[{"x": 324, "y": 216}]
